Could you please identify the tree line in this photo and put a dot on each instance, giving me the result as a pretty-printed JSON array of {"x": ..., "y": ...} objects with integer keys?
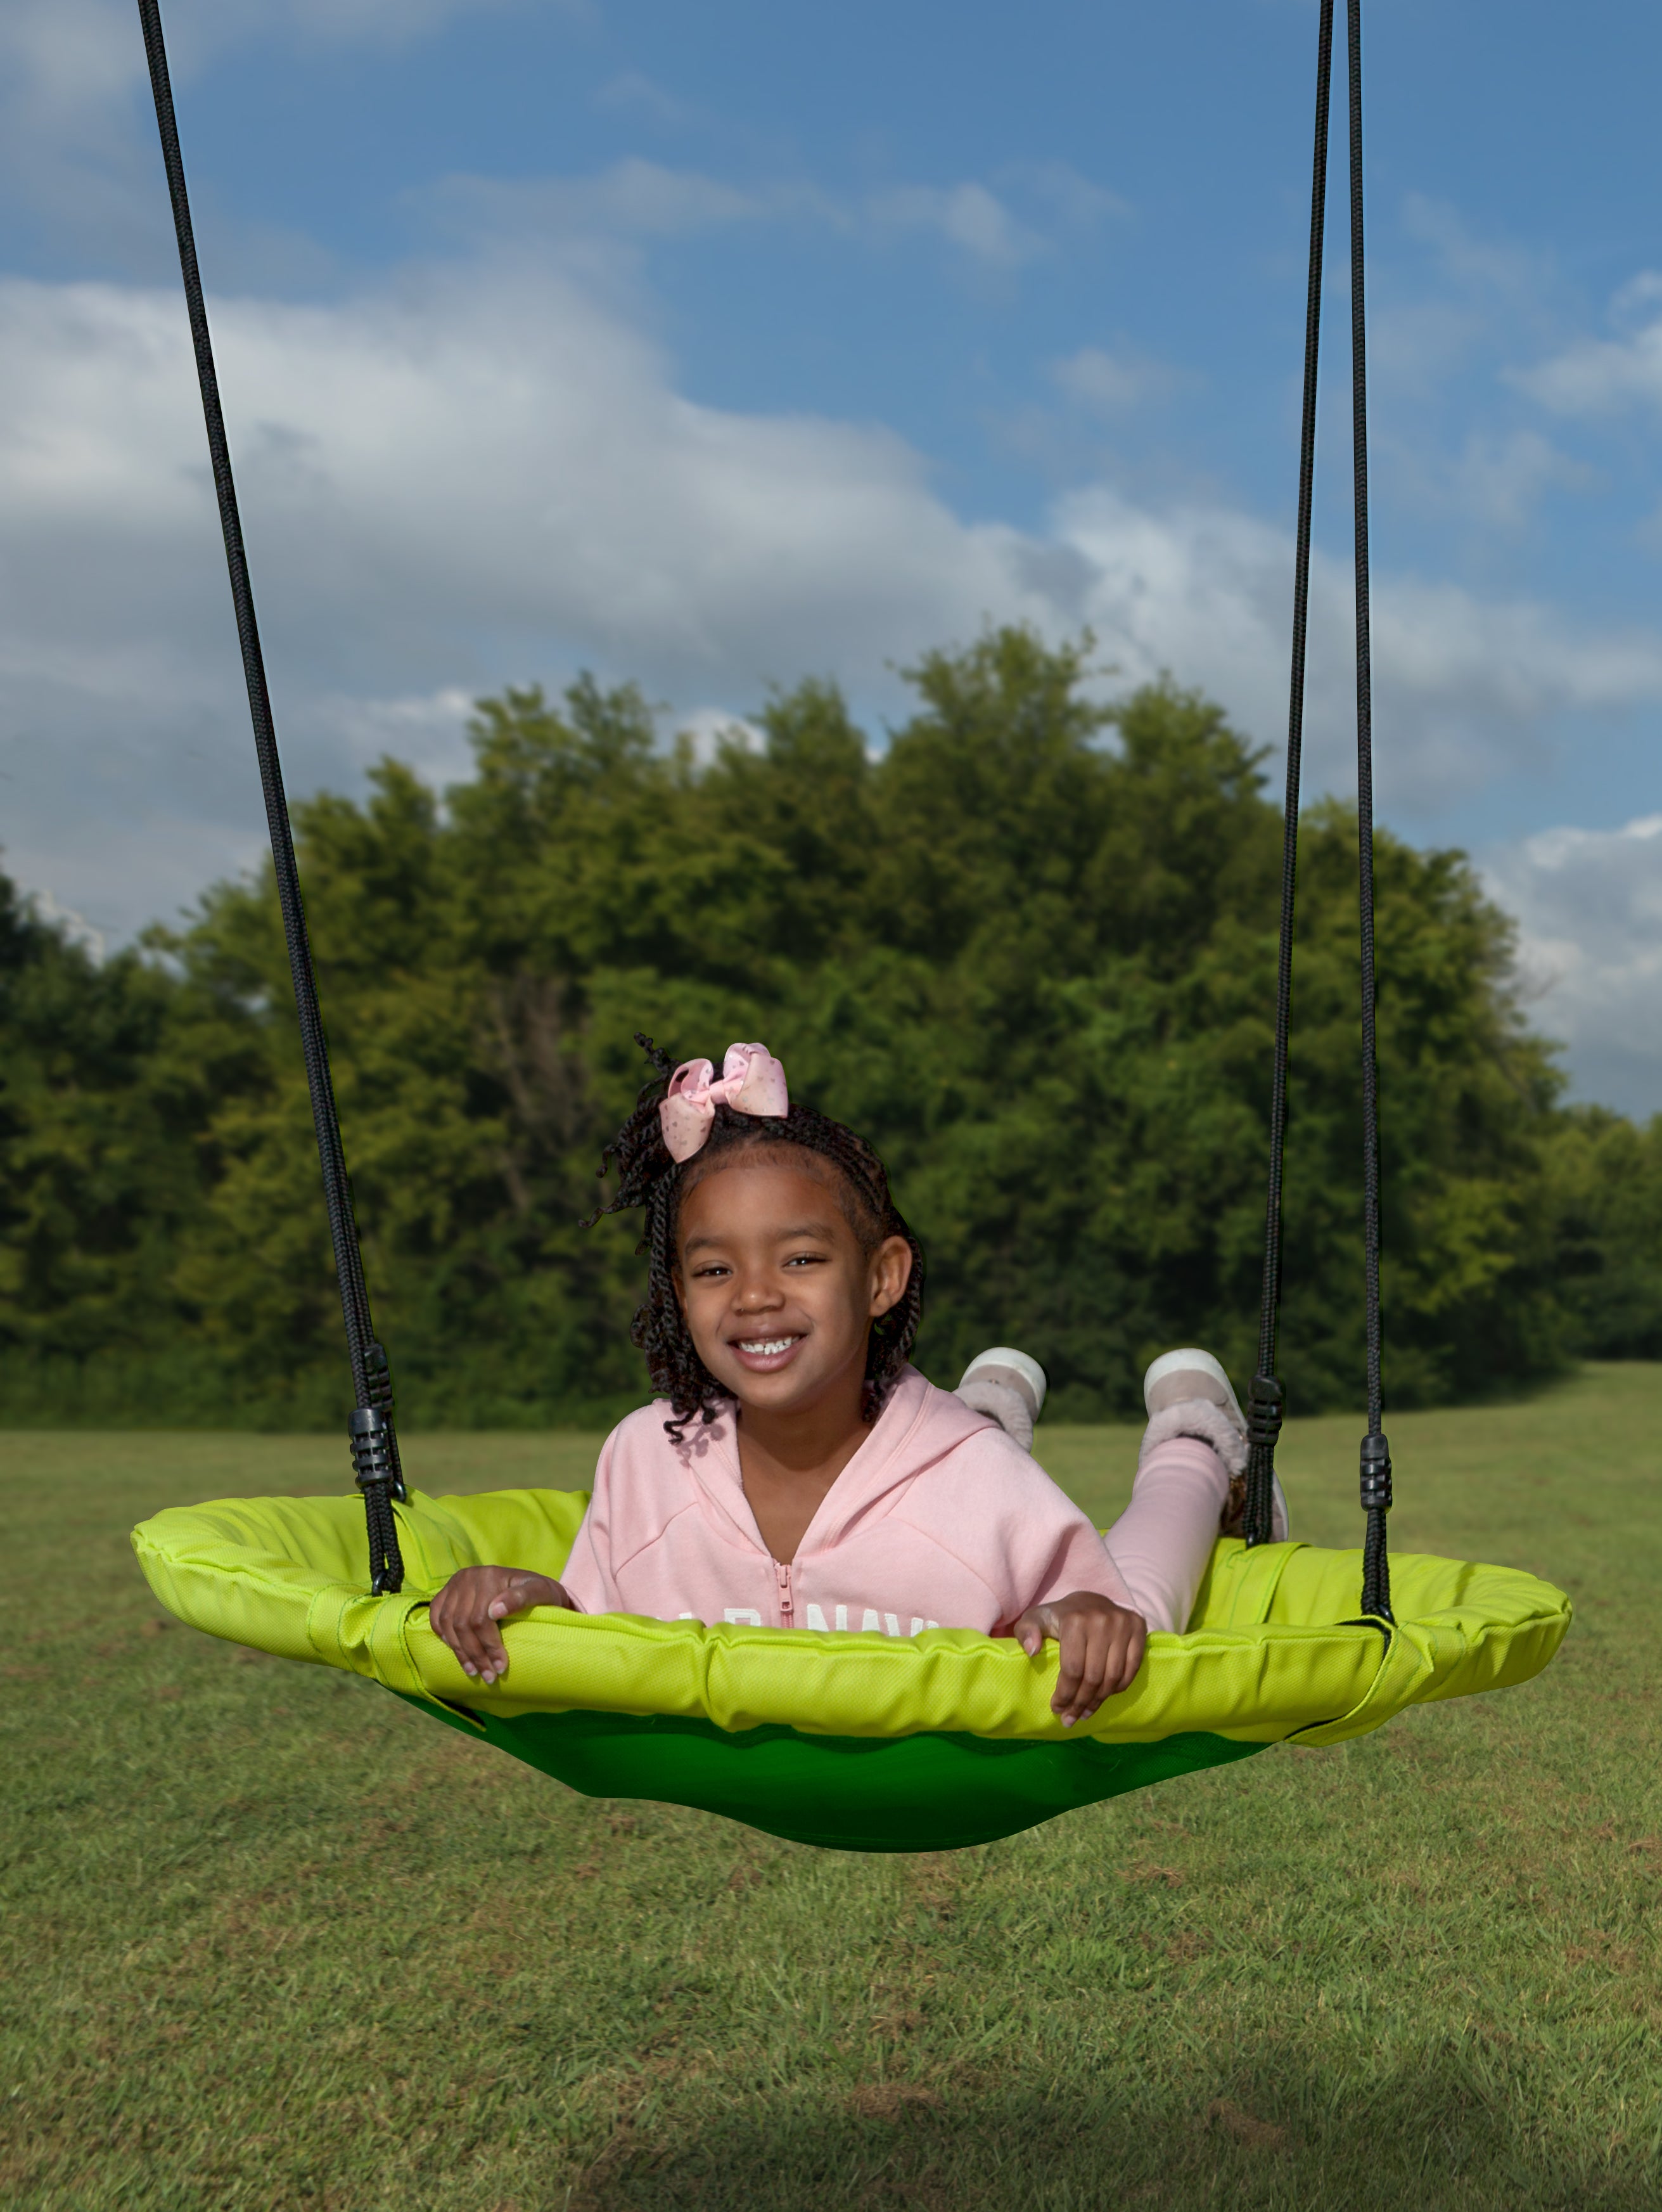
[{"x": 1028, "y": 949}]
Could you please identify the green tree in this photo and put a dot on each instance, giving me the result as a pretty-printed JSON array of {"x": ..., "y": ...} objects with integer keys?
[
  {"x": 1028, "y": 949},
  {"x": 99, "y": 1169},
  {"x": 1606, "y": 1178}
]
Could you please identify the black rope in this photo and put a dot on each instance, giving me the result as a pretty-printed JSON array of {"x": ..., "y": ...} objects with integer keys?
[
  {"x": 373, "y": 1443},
  {"x": 1264, "y": 1400},
  {"x": 1375, "y": 1451}
]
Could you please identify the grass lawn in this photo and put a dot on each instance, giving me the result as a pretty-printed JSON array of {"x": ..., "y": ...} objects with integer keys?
[{"x": 271, "y": 1939}]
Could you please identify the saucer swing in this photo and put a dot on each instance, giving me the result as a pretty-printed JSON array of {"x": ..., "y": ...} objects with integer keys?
[{"x": 856, "y": 1742}]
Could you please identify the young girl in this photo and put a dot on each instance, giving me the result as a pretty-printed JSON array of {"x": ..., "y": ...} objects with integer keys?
[{"x": 806, "y": 1475}]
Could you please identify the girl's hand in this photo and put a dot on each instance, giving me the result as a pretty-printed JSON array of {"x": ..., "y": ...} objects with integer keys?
[
  {"x": 1102, "y": 1649},
  {"x": 467, "y": 1609}
]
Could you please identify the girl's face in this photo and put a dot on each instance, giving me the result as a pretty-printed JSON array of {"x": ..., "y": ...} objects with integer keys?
[{"x": 777, "y": 1291}]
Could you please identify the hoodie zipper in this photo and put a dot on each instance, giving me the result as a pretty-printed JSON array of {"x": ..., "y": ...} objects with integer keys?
[{"x": 787, "y": 1603}]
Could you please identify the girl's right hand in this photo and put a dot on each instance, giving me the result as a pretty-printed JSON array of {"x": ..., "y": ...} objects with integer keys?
[
  {"x": 467, "y": 1609},
  {"x": 1102, "y": 1645}
]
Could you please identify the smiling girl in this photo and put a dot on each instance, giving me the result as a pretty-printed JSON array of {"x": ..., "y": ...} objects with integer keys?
[{"x": 796, "y": 1471}]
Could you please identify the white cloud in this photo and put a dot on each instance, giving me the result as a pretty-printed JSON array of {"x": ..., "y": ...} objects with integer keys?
[
  {"x": 1602, "y": 376},
  {"x": 485, "y": 474},
  {"x": 1499, "y": 482},
  {"x": 78, "y": 151},
  {"x": 632, "y": 198},
  {"x": 77, "y": 53},
  {"x": 1467, "y": 295},
  {"x": 631, "y": 93},
  {"x": 967, "y": 216},
  {"x": 427, "y": 733},
  {"x": 470, "y": 479},
  {"x": 637, "y": 200},
  {"x": 1588, "y": 904},
  {"x": 365, "y": 22},
  {"x": 1462, "y": 687},
  {"x": 70, "y": 924},
  {"x": 712, "y": 727},
  {"x": 1494, "y": 484},
  {"x": 1110, "y": 383},
  {"x": 1473, "y": 263},
  {"x": 64, "y": 55},
  {"x": 1073, "y": 198},
  {"x": 77, "y": 146}
]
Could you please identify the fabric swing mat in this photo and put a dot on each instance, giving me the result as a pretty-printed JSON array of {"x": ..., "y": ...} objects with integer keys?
[{"x": 860, "y": 1741}]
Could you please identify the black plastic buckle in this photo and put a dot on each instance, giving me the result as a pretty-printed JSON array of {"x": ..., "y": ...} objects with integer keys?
[
  {"x": 1265, "y": 1410},
  {"x": 374, "y": 1452},
  {"x": 1375, "y": 1474}
]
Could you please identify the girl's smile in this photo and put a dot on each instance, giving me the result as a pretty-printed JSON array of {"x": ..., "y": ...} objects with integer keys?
[{"x": 766, "y": 1355}]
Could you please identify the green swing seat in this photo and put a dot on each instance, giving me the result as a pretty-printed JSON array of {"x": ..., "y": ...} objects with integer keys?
[{"x": 860, "y": 1742}]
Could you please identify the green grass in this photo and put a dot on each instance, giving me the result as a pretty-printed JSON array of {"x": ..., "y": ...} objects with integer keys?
[{"x": 273, "y": 1940}]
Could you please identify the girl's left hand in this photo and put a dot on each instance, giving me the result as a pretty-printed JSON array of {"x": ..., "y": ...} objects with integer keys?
[{"x": 1102, "y": 1649}]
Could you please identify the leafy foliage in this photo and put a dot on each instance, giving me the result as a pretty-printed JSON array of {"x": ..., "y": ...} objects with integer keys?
[
  {"x": 100, "y": 1174},
  {"x": 1028, "y": 951},
  {"x": 1607, "y": 1192}
]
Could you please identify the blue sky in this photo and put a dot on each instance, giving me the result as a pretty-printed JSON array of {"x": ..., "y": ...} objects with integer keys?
[{"x": 717, "y": 344}]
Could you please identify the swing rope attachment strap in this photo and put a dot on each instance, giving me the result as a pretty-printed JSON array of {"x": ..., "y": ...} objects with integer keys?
[
  {"x": 1265, "y": 1403},
  {"x": 374, "y": 1443}
]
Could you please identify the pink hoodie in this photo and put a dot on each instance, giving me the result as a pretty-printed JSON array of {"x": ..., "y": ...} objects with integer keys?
[{"x": 939, "y": 1519}]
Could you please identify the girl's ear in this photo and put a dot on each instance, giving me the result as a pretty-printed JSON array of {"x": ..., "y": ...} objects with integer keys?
[{"x": 891, "y": 1271}]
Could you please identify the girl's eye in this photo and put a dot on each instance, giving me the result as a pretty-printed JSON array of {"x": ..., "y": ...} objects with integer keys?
[{"x": 713, "y": 1267}]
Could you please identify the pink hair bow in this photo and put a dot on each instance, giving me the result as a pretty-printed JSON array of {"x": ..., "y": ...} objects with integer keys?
[{"x": 751, "y": 1082}]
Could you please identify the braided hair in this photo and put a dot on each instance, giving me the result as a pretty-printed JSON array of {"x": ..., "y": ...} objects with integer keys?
[{"x": 650, "y": 1178}]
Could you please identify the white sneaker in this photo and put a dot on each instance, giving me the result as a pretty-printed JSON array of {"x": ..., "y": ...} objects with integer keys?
[
  {"x": 1187, "y": 1393},
  {"x": 1009, "y": 1388}
]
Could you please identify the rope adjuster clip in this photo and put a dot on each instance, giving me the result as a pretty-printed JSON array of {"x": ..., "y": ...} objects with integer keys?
[
  {"x": 375, "y": 1454},
  {"x": 1375, "y": 1474}
]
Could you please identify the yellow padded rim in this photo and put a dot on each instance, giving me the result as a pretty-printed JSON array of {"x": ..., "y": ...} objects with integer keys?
[{"x": 1274, "y": 1648}]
